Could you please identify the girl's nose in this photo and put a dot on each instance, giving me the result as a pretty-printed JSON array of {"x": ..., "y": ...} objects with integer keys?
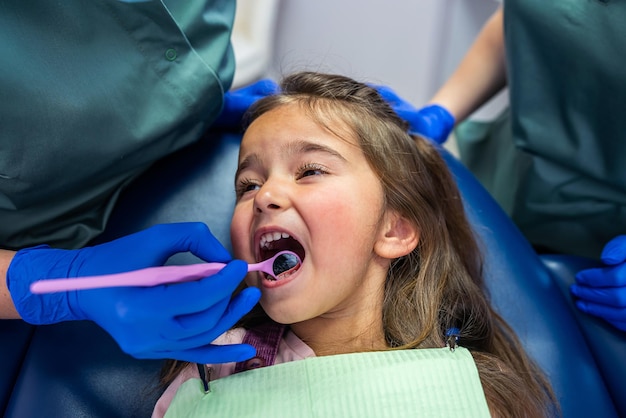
[{"x": 270, "y": 197}]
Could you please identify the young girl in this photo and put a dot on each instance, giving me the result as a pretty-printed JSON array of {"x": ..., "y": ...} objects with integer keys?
[{"x": 389, "y": 260}]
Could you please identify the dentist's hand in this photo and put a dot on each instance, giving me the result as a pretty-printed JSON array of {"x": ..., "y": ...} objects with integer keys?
[
  {"x": 602, "y": 291},
  {"x": 177, "y": 321},
  {"x": 237, "y": 102},
  {"x": 433, "y": 122}
]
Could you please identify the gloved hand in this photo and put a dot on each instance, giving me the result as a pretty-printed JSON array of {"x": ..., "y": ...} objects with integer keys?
[
  {"x": 177, "y": 321},
  {"x": 237, "y": 102},
  {"x": 602, "y": 291},
  {"x": 433, "y": 122}
]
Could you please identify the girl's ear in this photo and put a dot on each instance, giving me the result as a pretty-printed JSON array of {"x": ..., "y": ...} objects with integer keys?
[{"x": 397, "y": 236}]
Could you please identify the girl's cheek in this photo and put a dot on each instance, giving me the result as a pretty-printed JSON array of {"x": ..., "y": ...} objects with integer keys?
[{"x": 239, "y": 239}]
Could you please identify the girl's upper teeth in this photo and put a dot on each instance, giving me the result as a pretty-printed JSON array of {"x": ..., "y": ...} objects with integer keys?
[{"x": 271, "y": 236}]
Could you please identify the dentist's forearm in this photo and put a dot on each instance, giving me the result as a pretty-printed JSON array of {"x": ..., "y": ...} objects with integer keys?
[
  {"x": 480, "y": 75},
  {"x": 7, "y": 309}
]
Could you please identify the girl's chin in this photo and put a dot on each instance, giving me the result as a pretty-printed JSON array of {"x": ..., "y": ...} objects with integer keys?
[{"x": 280, "y": 315}]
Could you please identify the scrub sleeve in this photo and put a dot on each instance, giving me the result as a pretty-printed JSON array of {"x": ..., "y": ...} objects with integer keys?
[
  {"x": 93, "y": 93},
  {"x": 556, "y": 160}
]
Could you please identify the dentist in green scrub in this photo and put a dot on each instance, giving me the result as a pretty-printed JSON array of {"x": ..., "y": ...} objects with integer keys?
[
  {"x": 555, "y": 160},
  {"x": 93, "y": 93}
]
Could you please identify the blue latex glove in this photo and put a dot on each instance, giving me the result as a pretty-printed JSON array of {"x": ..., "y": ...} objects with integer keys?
[
  {"x": 177, "y": 321},
  {"x": 237, "y": 102},
  {"x": 602, "y": 291},
  {"x": 433, "y": 122}
]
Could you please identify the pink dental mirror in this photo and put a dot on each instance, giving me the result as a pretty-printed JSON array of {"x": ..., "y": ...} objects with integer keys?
[{"x": 279, "y": 264}]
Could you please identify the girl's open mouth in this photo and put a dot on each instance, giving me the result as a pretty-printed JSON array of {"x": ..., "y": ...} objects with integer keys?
[{"x": 273, "y": 242}]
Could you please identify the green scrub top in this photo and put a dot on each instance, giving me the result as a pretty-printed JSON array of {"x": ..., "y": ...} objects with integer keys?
[
  {"x": 562, "y": 177},
  {"x": 93, "y": 92}
]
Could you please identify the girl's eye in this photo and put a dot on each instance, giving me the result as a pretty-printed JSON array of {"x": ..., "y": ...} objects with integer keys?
[
  {"x": 311, "y": 170},
  {"x": 246, "y": 185}
]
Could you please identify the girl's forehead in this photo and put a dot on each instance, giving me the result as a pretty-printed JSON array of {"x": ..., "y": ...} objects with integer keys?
[
  {"x": 286, "y": 134},
  {"x": 294, "y": 121}
]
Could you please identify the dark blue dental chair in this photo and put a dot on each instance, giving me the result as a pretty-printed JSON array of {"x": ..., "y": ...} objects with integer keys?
[{"x": 76, "y": 370}]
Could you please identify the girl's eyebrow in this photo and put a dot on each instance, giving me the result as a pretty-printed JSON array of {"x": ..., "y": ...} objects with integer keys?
[
  {"x": 300, "y": 147},
  {"x": 294, "y": 148},
  {"x": 247, "y": 162}
]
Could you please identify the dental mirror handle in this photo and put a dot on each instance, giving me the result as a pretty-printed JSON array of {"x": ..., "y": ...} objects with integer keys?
[{"x": 151, "y": 276}]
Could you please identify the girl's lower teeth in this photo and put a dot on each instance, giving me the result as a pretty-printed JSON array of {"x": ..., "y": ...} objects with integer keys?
[{"x": 280, "y": 276}]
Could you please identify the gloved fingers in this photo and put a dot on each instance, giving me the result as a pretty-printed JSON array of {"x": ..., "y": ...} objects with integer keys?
[
  {"x": 133, "y": 313},
  {"x": 402, "y": 107},
  {"x": 195, "y": 237},
  {"x": 133, "y": 304},
  {"x": 433, "y": 122},
  {"x": 197, "y": 296},
  {"x": 221, "y": 317},
  {"x": 184, "y": 334},
  {"x": 388, "y": 94},
  {"x": 153, "y": 334},
  {"x": 150, "y": 247},
  {"x": 614, "y": 251},
  {"x": 608, "y": 296},
  {"x": 187, "y": 333},
  {"x": 149, "y": 346},
  {"x": 209, "y": 354},
  {"x": 614, "y": 276},
  {"x": 616, "y": 316},
  {"x": 201, "y": 328}
]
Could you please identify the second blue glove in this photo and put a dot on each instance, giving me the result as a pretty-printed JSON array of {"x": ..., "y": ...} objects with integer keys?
[
  {"x": 602, "y": 291},
  {"x": 433, "y": 122}
]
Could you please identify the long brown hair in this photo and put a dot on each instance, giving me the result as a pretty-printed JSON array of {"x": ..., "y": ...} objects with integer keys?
[{"x": 439, "y": 285}]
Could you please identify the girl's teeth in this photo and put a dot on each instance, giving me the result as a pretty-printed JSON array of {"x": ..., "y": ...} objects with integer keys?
[{"x": 270, "y": 237}]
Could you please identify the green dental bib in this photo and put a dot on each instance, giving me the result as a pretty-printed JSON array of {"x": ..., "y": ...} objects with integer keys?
[{"x": 423, "y": 382}]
